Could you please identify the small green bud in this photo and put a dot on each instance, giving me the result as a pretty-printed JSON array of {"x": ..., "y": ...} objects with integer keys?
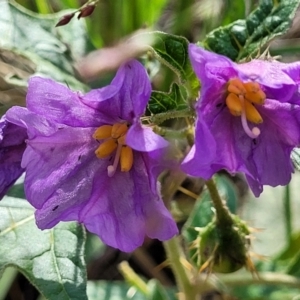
[{"x": 224, "y": 249}]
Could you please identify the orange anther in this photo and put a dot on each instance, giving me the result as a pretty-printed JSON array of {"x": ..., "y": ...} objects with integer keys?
[
  {"x": 252, "y": 86},
  {"x": 235, "y": 113},
  {"x": 252, "y": 114},
  {"x": 126, "y": 159},
  {"x": 103, "y": 132},
  {"x": 236, "y": 86},
  {"x": 118, "y": 130},
  {"x": 234, "y": 104},
  {"x": 106, "y": 148},
  {"x": 256, "y": 97}
]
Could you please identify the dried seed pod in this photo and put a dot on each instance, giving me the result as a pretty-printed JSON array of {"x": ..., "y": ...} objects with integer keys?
[
  {"x": 86, "y": 11},
  {"x": 64, "y": 20}
]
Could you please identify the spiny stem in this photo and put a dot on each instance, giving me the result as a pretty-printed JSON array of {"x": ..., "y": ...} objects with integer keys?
[
  {"x": 175, "y": 256},
  {"x": 160, "y": 118},
  {"x": 172, "y": 133},
  {"x": 222, "y": 212}
]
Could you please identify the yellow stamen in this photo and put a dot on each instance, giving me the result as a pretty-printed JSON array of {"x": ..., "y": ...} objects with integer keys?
[
  {"x": 106, "y": 148},
  {"x": 122, "y": 140},
  {"x": 103, "y": 132},
  {"x": 252, "y": 86},
  {"x": 114, "y": 137},
  {"x": 234, "y": 113},
  {"x": 126, "y": 159},
  {"x": 258, "y": 97},
  {"x": 241, "y": 101},
  {"x": 234, "y": 104},
  {"x": 236, "y": 86},
  {"x": 252, "y": 114},
  {"x": 118, "y": 130}
]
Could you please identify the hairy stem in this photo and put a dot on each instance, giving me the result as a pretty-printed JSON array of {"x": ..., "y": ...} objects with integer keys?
[
  {"x": 172, "y": 133},
  {"x": 222, "y": 212},
  {"x": 175, "y": 257},
  {"x": 160, "y": 118}
]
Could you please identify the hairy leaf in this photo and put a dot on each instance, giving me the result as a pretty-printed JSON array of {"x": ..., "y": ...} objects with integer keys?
[
  {"x": 162, "y": 102},
  {"x": 52, "y": 260},
  {"x": 244, "y": 38},
  {"x": 48, "y": 51},
  {"x": 172, "y": 51}
]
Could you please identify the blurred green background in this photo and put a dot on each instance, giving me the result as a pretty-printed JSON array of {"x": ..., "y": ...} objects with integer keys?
[{"x": 274, "y": 214}]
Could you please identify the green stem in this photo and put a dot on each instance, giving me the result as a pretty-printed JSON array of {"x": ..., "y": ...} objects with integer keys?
[
  {"x": 222, "y": 212},
  {"x": 287, "y": 213},
  {"x": 172, "y": 133},
  {"x": 6, "y": 281},
  {"x": 175, "y": 257},
  {"x": 43, "y": 7},
  {"x": 132, "y": 278},
  {"x": 267, "y": 278},
  {"x": 160, "y": 118}
]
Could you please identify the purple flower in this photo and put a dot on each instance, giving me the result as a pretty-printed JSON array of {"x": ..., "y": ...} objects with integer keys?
[
  {"x": 12, "y": 146},
  {"x": 247, "y": 119},
  {"x": 76, "y": 149}
]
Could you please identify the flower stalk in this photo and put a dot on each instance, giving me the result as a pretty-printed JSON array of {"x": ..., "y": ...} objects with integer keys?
[
  {"x": 287, "y": 213},
  {"x": 225, "y": 241},
  {"x": 222, "y": 213},
  {"x": 175, "y": 257},
  {"x": 132, "y": 278}
]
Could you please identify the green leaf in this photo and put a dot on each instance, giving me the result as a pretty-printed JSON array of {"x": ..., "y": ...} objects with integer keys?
[
  {"x": 162, "y": 102},
  {"x": 157, "y": 291},
  {"x": 17, "y": 191},
  {"x": 244, "y": 38},
  {"x": 292, "y": 248},
  {"x": 15, "y": 69},
  {"x": 94, "y": 247},
  {"x": 264, "y": 292},
  {"x": 288, "y": 260},
  {"x": 35, "y": 37},
  {"x": 105, "y": 290},
  {"x": 172, "y": 51},
  {"x": 52, "y": 260},
  {"x": 293, "y": 267}
]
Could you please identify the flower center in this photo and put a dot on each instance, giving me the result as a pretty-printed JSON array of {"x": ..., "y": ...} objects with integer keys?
[
  {"x": 241, "y": 100},
  {"x": 114, "y": 139}
]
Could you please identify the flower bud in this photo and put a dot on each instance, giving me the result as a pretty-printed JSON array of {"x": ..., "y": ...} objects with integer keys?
[{"x": 224, "y": 249}]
